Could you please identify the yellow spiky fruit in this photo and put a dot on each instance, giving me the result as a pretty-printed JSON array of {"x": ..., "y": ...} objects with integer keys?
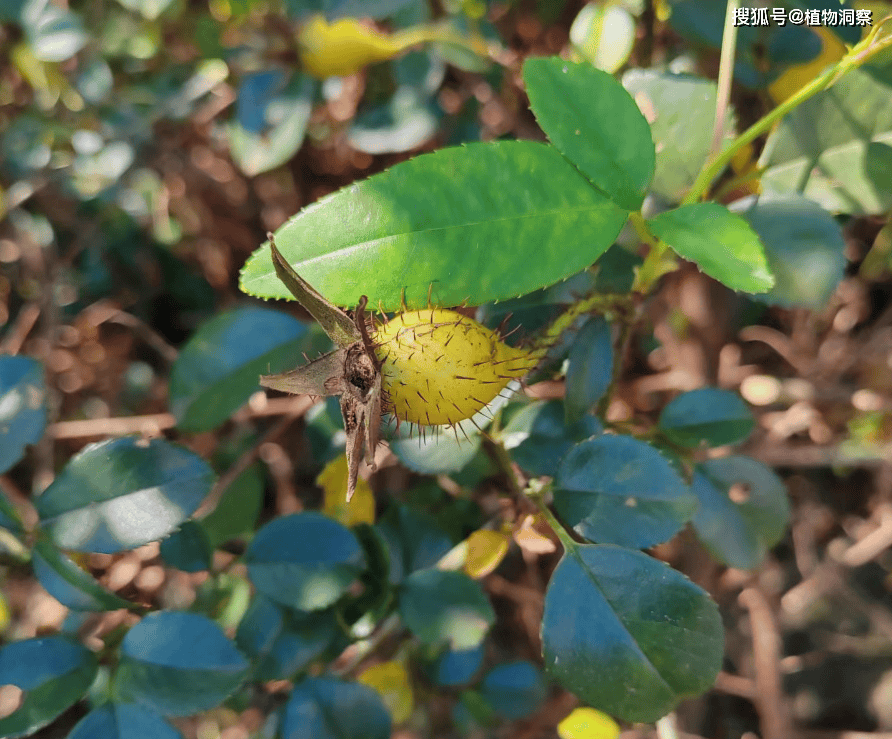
[{"x": 439, "y": 367}]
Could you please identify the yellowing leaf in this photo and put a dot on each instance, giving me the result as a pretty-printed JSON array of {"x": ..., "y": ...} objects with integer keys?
[
  {"x": 333, "y": 481},
  {"x": 4, "y": 614},
  {"x": 587, "y": 723},
  {"x": 796, "y": 77},
  {"x": 392, "y": 683},
  {"x": 486, "y": 550}
]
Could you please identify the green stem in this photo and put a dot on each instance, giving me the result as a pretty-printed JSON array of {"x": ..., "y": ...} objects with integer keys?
[
  {"x": 602, "y": 302},
  {"x": 859, "y": 54},
  {"x": 536, "y": 496},
  {"x": 726, "y": 74}
]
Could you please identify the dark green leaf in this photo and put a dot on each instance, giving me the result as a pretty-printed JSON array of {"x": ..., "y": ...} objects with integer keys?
[
  {"x": 822, "y": 148},
  {"x": 54, "y": 671},
  {"x": 440, "y": 606},
  {"x": 305, "y": 561},
  {"x": 744, "y": 509},
  {"x": 22, "y": 407},
  {"x": 280, "y": 642},
  {"x": 237, "y": 511},
  {"x": 123, "y": 493},
  {"x": 589, "y": 370},
  {"x": 618, "y": 490},
  {"x": 595, "y": 123},
  {"x": 188, "y": 548},
  {"x": 178, "y": 663},
  {"x": 514, "y": 690},
  {"x": 325, "y": 708},
  {"x": 719, "y": 242},
  {"x": 804, "y": 246},
  {"x": 681, "y": 112},
  {"x": 123, "y": 721},
  {"x": 334, "y": 9},
  {"x": 707, "y": 415},
  {"x": 457, "y": 666},
  {"x": 414, "y": 539},
  {"x": 69, "y": 584},
  {"x": 438, "y": 451},
  {"x": 468, "y": 221},
  {"x": 219, "y": 369},
  {"x": 627, "y": 634},
  {"x": 538, "y": 436}
]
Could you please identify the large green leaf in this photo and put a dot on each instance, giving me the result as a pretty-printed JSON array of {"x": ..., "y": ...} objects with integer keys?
[
  {"x": 54, "y": 671},
  {"x": 178, "y": 663},
  {"x": 595, "y": 123},
  {"x": 69, "y": 584},
  {"x": 628, "y": 634},
  {"x": 123, "y": 493},
  {"x": 826, "y": 147},
  {"x": 719, "y": 242},
  {"x": 739, "y": 527},
  {"x": 305, "y": 561},
  {"x": 219, "y": 368},
  {"x": 707, "y": 415},
  {"x": 681, "y": 111},
  {"x": 804, "y": 246},
  {"x": 614, "y": 489},
  {"x": 480, "y": 222}
]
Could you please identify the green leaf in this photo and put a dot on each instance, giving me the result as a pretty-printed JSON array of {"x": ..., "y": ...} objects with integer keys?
[
  {"x": 69, "y": 584},
  {"x": 282, "y": 642},
  {"x": 237, "y": 511},
  {"x": 681, "y": 112},
  {"x": 123, "y": 721},
  {"x": 54, "y": 671},
  {"x": 438, "y": 606},
  {"x": 744, "y": 509},
  {"x": 627, "y": 634},
  {"x": 271, "y": 120},
  {"x": 463, "y": 223},
  {"x": 538, "y": 436},
  {"x": 707, "y": 415},
  {"x": 9, "y": 516},
  {"x": 22, "y": 407},
  {"x": 595, "y": 123},
  {"x": 404, "y": 122},
  {"x": 334, "y": 9},
  {"x": 188, "y": 548},
  {"x": 219, "y": 369},
  {"x": 456, "y": 666},
  {"x": 618, "y": 490},
  {"x": 590, "y": 369},
  {"x": 123, "y": 493},
  {"x": 822, "y": 149},
  {"x": 804, "y": 246},
  {"x": 438, "y": 451},
  {"x": 53, "y": 33},
  {"x": 414, "y": 540},
  {"x": 178, "y": 663},
  {"x": 514, "y": 690},
  {"x": 719, "y": 242},
  {"x": 305, "y": 561},
  {"x": 325, "y": 708}
]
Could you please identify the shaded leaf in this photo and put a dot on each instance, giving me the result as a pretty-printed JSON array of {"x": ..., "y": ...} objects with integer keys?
[
  {"x": 414, "y": 539},
  {"x": 325, "y": 708},
  {"x": 123, "y": 493},
  {"x": 123, "y": 721},
  {"x": 628, "y": 634},
  {"x": 739, "y": 531},
  {"x": 179, "y": 663},
  {"x": 470, "y": 235},
  {"x": 707, "y": 415},
  {"x": 514, "y": 690},
  {"x": 614, "y": 489},
  {"x": 54, "y": 671},
  {"x": 305, "y": 560},
  {"x": 440, "y": 606},
  {"x": 457, "y": 666},
  {"x": 69, "y": 584},
  {"x": 188, "y": 548},
  {"x": 804, "y": 246},
  {"x": 590, "y": 369}
]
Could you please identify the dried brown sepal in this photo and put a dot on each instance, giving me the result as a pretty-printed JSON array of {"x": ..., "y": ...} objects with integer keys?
[
  {"x": 323, "y": 376},
  {"x": 335, "y": 322}
]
